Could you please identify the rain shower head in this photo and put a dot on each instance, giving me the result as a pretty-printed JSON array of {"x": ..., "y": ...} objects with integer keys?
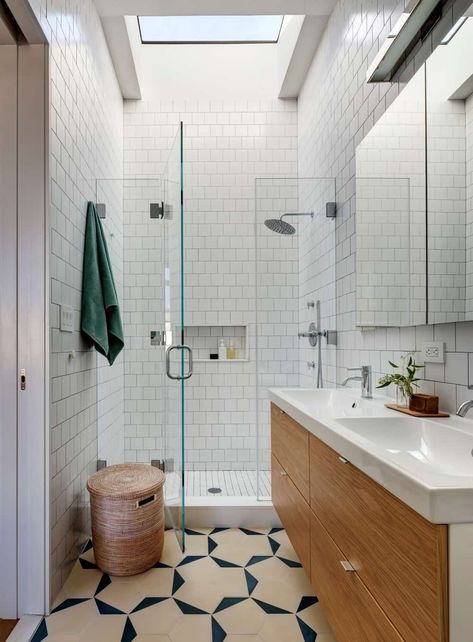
[{"x": 281, "y": 227}]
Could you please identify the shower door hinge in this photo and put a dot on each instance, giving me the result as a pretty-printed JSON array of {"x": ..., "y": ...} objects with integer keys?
[
  {"x": 101, "y": 210},
  {"x": 101, "y": 463},
  {"x": 157, "y": 337},
  {"x": 159, "y": 463},
  {"x": 331, "y": 210},
  {"x": 160, "y": 210},
  {"x": 23, "y": 379}
]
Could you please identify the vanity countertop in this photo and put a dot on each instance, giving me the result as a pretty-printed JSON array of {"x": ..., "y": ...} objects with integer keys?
[{"x": 426, "y": 463}]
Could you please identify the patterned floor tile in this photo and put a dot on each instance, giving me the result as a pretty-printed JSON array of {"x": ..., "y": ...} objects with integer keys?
[
  {"x": 284, "y": 547},
  {"x": 279, "y": 584},
  {"x": 230, "y": 585},
  {"x": 103, "y": 629},
  {"x": 197, "y": 541},
  {"x": 238, "y": 546},
  {"x": 72, "y": 619},
  {"x": 243, "y": 618},
  {"x": 158, "y": 618},
  {"x": 243, "y": 638},
  {"x": 80, "y": 583},
  {"x": 284, "y": 628},
  {"x": 123, "y": 596},
  {"x": 315, "y": 618},
  {"x": 197, "y": 628}
]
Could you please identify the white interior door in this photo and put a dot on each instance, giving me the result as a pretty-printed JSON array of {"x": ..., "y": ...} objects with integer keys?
[
  {"x": 24, "y": 317},
  {"x": 8, "y": 328}
]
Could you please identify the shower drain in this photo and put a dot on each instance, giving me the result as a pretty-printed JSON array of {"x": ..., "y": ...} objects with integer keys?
[{"x": 214, "y": 491}]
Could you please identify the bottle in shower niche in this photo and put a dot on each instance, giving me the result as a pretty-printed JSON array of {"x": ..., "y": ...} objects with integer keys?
[
  {"x": 222, "y": 350},
  {"x": 231, "y": 352}
]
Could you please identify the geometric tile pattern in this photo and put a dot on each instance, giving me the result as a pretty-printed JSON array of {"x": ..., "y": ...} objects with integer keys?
[{"x": 231, "y": 584}]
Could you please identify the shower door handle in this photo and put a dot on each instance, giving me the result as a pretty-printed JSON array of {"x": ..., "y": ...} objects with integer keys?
[{"x": 168, "y": 362}]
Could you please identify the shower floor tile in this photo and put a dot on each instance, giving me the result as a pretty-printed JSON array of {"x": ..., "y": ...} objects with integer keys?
[
  {"x": 231, "y": 584},
  {"x": 233, "y": 483}
]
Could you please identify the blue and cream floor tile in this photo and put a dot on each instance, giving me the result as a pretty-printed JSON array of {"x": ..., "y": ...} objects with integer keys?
[
  {"x": 103, "y": 629},
  {"x": 206, "y": 583},
  {"x": 244, "y": 618},
  {"x": 159, "y": 618},
  {"x": 279, "y": 585},
  {"x": 231, "y": 585},
  {"x": 197, "y": 541},
  {"x": 238, "y": 546},
  {"x": 197, "y": 628},
  {"x": 79, "y": 584},
  {"x": 281, "y": 545}
]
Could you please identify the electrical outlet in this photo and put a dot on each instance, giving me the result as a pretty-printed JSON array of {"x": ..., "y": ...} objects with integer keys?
[
  {"x": 433, "y": 351},
  {"x": 67, "y": 318}
]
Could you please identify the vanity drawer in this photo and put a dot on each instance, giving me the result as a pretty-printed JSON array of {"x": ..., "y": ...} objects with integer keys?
[
  {"x": 290, "y": 444},
  {"x": 400, "y": 556},
  {"x": 293, "y": 511},
  {"x": 350, "y": 608}
]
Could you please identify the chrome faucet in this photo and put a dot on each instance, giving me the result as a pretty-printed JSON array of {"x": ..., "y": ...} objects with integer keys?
[
  {"x": 464, "y": 408},
  {"x": 366, "y": 381}
]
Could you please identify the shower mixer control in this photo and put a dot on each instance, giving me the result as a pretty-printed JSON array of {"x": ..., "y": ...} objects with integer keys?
[{"x": 312, "y": 334}]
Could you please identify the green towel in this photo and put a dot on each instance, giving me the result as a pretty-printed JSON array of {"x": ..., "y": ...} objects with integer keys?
[{"x": 100, "y": 315}]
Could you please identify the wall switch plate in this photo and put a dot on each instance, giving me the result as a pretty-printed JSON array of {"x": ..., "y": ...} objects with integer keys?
[
  {"x": 67, "y": 318},
  {"x": 433, "y": 351}
]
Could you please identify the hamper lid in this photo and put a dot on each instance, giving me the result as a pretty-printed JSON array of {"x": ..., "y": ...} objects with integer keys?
[{"x": 125, "y": 481}]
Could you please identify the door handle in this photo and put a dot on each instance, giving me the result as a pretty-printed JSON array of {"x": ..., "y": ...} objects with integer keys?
[{"x": 190, "y": 372}]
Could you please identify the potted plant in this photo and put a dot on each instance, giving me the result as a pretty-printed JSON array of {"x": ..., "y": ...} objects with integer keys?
[{"x": 405, "y": 380}]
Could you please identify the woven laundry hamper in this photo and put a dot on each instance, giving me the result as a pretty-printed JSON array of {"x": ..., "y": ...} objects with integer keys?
[{"x": 126, "y": 502}]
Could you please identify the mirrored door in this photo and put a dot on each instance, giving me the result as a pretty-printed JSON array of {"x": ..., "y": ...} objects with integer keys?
[{"x": 178, "y": 354}]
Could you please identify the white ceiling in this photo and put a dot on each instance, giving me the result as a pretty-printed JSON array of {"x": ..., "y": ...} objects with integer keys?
[{"x": 213, "y": 7}]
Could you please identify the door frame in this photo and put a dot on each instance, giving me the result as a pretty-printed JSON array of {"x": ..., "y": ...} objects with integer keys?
[{"x": 28, "y": 409}]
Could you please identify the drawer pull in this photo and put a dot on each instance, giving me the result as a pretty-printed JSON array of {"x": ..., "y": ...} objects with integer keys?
[
  {"x": 283, "y": 473},
  {"x": 343, "y": 460},
  {"x": 346, "y": 565},
  {"x": 281, "y": 412}
]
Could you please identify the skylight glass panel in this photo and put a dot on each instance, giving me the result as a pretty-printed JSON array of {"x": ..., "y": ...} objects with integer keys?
[{"x": 209, "y": 29}]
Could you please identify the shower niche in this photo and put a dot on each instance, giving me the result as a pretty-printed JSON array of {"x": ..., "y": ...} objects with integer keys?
[{"x": 205, "y": 339}]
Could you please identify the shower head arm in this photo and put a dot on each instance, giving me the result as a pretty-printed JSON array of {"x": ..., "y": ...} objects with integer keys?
[{"x": 311, "y": 214}]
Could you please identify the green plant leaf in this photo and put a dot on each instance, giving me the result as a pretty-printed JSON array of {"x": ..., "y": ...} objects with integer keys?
[
  {"x": 393, "y": 364},
  {"x": 384, "y": 385}
]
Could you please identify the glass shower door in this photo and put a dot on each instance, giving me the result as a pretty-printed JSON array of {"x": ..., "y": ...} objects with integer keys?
[{"x": 178, "y": 354}]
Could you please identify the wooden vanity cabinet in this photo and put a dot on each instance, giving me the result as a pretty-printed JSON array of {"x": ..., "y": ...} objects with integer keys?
[{"x": 395, "y": 587}]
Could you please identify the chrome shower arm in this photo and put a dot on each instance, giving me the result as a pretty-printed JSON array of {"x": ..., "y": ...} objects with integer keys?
[{"x": 311, "y": 214}]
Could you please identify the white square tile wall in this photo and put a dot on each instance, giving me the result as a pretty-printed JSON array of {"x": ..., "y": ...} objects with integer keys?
[
  {"x": 227, "y": 145},
  {"x": 86, "y": 143},
  {"x": 336, "y": 109}
]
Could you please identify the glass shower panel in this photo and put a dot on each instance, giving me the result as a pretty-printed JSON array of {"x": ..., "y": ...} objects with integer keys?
[
  {"x": 130, "y": 394},
  {"x": 109, "y": 390},
  {"x": 295, "y": 268},
  {"x": 178, "y": 356}
]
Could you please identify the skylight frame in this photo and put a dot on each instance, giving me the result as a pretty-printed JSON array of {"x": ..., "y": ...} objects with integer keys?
[{"x": 207, "y": 42}]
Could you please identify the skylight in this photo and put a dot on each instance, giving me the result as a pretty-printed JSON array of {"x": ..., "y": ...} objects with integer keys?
[{"x": 209, "y": 29}]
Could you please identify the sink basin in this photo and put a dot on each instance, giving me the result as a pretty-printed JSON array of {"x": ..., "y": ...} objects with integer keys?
[
  {"x": 426, "y": 463},
  {"x": 335, "y": 402},
  {"x": 441, "y": 448}
]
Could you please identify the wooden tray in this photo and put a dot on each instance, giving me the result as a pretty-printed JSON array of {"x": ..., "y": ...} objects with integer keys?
[{"x": 414, "y": 413}]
